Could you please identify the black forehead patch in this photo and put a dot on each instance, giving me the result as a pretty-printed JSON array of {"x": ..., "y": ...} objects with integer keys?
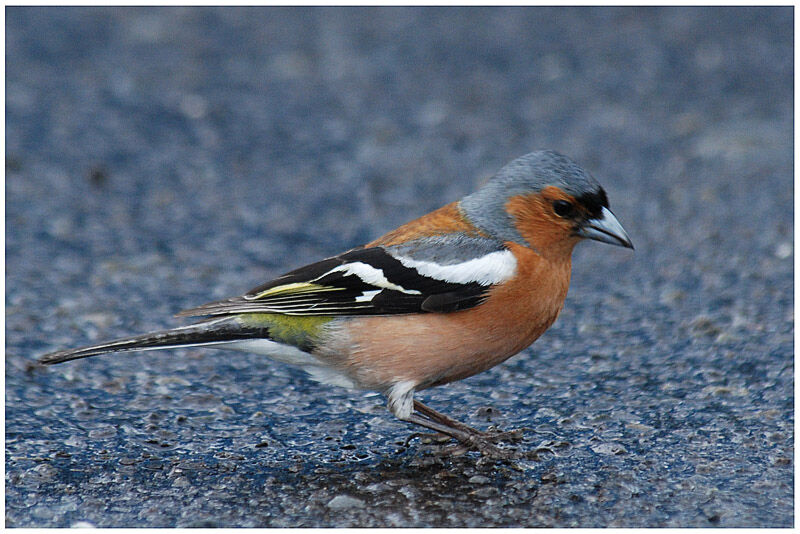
[{"x": 594, "y": 202}]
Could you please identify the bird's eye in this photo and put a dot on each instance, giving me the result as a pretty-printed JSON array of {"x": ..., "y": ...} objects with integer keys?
[{"x": 563, "y": 208}]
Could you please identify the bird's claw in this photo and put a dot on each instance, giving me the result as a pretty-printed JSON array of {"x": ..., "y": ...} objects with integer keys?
[
  {"x": 504, "y": 435},
  {"x": 483, "y": 442},
  {"x": 486, "y": 443}
]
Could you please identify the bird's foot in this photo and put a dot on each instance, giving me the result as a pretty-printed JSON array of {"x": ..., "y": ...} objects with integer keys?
[
  {"x": 495, "y": 434},
  {"x": 468, "y": 438},
  {"x": 487, "y": 443}
]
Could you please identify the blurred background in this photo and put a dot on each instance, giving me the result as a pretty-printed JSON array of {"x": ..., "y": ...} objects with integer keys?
[{"x": 159, "y": 158}]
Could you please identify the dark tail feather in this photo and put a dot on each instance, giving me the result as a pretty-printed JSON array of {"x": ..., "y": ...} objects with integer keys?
[{"x": 203, "y": 333}]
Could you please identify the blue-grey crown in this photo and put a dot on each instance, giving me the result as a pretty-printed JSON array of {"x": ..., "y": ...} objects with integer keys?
[{"x": 485, "y": 208}]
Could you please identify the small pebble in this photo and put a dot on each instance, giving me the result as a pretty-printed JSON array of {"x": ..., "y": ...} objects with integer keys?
[{"x": 342, "y": 502}]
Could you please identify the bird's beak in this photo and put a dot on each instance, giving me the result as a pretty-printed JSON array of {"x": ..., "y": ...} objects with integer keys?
[{"x": 605, "y": 228}]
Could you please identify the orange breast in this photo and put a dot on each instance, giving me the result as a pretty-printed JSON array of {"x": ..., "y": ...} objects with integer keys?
[{"x": 436, "y": 348}]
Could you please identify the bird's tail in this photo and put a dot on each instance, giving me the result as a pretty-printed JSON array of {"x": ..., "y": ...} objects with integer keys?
[{"x": 210, "y": 332}]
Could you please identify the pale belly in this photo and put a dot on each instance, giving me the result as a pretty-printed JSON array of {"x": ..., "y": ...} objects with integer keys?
[{"x": 431, "y": 349}]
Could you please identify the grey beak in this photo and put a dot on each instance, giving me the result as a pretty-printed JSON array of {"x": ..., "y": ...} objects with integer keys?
[{"x": 605, "y": 228}]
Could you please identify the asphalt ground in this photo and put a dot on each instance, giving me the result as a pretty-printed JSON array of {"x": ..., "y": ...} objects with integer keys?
[{"x": 157, "y": 159}]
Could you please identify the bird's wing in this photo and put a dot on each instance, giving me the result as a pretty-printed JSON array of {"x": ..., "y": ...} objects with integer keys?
[{"x": 416, "y": 277}]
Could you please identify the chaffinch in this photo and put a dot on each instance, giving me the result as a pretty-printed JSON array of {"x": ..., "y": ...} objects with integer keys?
[{"x": 441, "y": 298}]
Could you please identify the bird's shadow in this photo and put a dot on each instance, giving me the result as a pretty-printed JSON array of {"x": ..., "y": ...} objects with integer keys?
[{"x": 416, "y": 481}]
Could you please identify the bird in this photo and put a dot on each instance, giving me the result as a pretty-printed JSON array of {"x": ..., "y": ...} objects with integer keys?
[{"x": 448, "y": 295}]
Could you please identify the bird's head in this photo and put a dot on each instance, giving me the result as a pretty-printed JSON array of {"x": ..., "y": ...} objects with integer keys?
[{"x": 544, "y": 201}]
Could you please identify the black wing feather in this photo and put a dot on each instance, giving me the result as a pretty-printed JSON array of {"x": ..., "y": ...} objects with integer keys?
[{"x": 315, "y": 290}]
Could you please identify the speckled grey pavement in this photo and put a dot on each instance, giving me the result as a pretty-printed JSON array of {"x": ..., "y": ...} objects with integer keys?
[{"x": 160, "y": 158}]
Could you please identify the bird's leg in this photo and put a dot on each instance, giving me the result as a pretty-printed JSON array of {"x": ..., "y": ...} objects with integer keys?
[
  {"x": 439, "y": 417},
  {"x": 403, "y": 406},
  {"x": 466, "y": 440},
  {"x": 430, "y": 413},
  {"x": 469, "y": 437}
]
